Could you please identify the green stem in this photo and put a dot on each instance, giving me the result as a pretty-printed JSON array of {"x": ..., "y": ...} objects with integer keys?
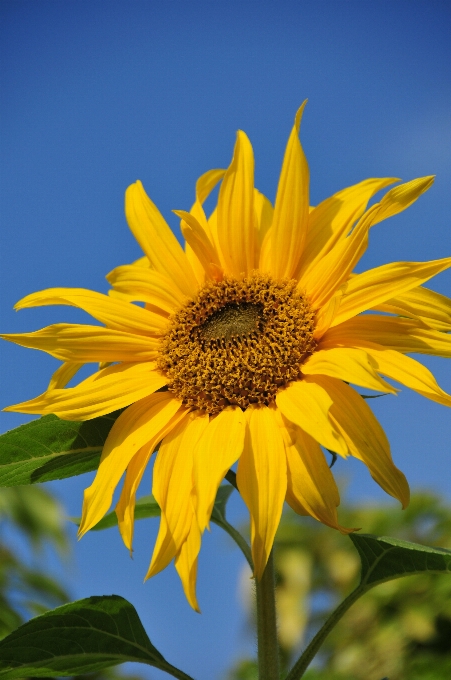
[
  {"x": 236, "y": 536},
  {"x": 268, "y": 647},
  {"x": 219, "y": 518},
  {"x": 231, "y": 478},
  {"x": 306, "y": 657}
]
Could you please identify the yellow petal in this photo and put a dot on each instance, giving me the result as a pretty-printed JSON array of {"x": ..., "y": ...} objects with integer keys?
[
  {"x": 125, "y": 508},
  {"x": 311, "y": 485},
  {"x": 83, "y": 344},
  {"x": 172, "y": 489},
  {"x": 401, "y": 197},
  {"x": 291, "y": 210},
  {"x": 349, "y": 364},
  {"x": 213, "y": 231},
  {"x": 333, "y": 219},
  {"x": 327, "y": 274},
  {"x": 265, "y": 257},
  {"x": 326, "y": 315},
  {"x": 199, "y": 241},
  {"x": 236, "y": 219},
  {"x": 322, "y": 280},
  {"x": 219, "y": 447},
  {"x": 408, "y": 372},
  {"x": 365, "y": 437},
  {"x": 142, "y": 262},
  {"x": 106, "y": 391},
  {"x": 176, "y": 453},
  {"x": 307, "y": 405},
  {"x": 186, "y": 564},
  {"x": 157, "y": 240},
  {"x": 198, "y": 270},
  {"x": 263, "y": 216},
  {"x": 374, "y": 286},
  {"x": 262, "y": 480},
  {"x": 147, "y": 285},
  {"x": 114, "y": 313},
  {"x": 142, "y": 423},
  {"x": 63, "y": 375},
  {"x": 403, "y": 335},
  {"x": 421, "y": 303},
  {"x": 204, "y": 185}
]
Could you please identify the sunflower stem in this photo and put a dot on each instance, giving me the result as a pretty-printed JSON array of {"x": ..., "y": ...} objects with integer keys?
[
  {"x": 268, "y": 646},
  {"x": 309, "y": 653},
  {"x": 231, "y": 478}
]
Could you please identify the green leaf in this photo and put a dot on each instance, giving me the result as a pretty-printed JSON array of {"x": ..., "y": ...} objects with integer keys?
[
  {"x": 50, "y": 448},
  {"x": 80, "y": 637},
  {"x": 385, "y": 558}
]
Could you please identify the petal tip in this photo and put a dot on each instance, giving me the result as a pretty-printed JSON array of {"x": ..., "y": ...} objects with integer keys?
[{"x": 298, "y": 116}]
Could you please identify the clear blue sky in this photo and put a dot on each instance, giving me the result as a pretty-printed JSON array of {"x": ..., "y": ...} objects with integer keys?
[{"x": 96, "y": 94}]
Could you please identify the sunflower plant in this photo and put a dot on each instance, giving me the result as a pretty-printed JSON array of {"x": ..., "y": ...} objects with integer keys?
[{"x": 240, "y": 354}]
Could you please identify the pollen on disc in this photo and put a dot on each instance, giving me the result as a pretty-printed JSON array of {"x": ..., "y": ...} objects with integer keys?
[{"x": 237, "y": 343}]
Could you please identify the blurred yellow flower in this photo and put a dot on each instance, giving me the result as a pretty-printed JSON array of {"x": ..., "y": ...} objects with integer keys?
[{"x": 244, "y": 351}]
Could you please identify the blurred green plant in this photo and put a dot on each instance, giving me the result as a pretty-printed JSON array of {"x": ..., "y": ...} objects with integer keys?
[
  {"x": 34, "y": 517},
  {"x": 398, "y": 630},
  {"x": 27, "y": 590}
]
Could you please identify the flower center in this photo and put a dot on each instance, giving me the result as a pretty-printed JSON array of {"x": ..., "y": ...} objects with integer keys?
[
  {"x": 238, "y": 343},
  {"x": 233, "y": 320}
]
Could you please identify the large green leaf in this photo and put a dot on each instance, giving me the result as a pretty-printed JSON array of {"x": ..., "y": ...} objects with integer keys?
[
  {"x": 80, "y": 637},
  {"x": 385, "y": 558},
  {"x": 50, "y": 448}
]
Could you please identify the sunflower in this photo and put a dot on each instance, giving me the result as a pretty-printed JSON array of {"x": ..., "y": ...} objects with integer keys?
[{"x": 243, "y": 350}]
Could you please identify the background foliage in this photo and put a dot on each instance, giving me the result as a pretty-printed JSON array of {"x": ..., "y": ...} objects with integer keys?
[
  {"x": 32, "y": 519},
  {"x": 400, "y": 629}
]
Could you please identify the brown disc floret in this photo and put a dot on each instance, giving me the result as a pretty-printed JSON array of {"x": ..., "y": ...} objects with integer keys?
[{"x": 238, "y": 343}]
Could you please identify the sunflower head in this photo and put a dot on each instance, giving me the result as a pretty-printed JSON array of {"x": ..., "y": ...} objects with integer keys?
[{"x": 247, "y": 350}]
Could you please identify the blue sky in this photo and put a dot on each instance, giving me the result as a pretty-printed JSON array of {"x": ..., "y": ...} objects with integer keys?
[{"x": 96, "y": 94}]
